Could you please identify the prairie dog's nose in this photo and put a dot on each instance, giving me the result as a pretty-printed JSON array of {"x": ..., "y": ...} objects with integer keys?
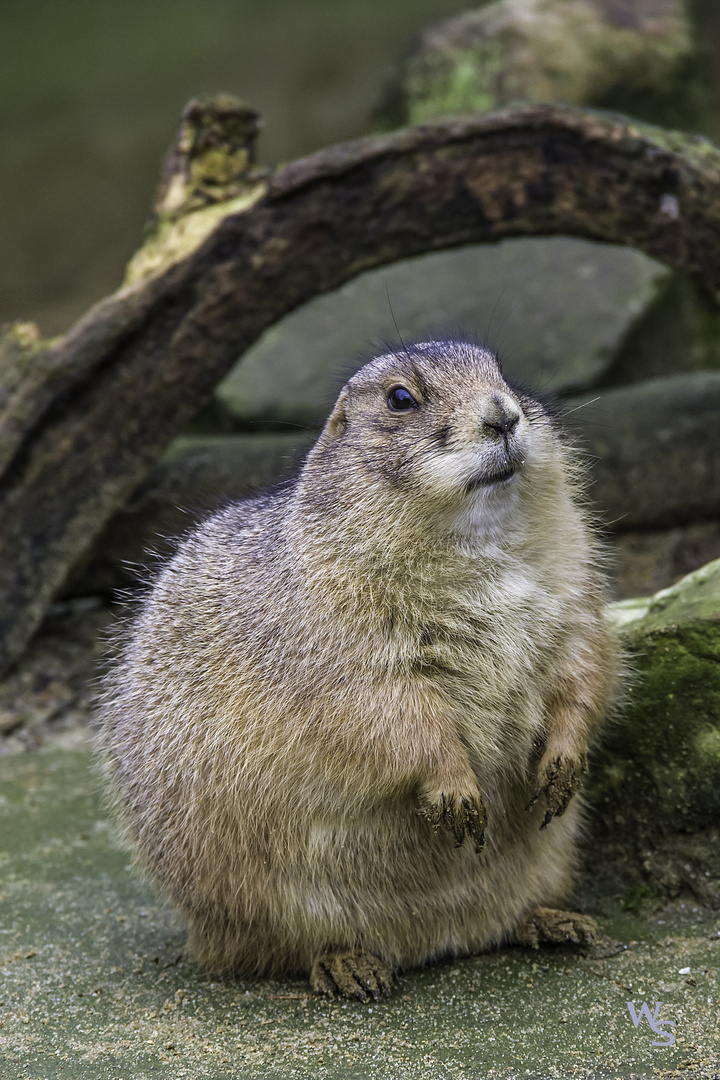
[{"x": 499, "y": 414}]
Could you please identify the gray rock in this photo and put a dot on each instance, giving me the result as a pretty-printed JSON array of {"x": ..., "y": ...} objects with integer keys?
[
  {"x": 641, "y": 563},
  {"x": 556, "y": 310},
  {"x": 653, "y": 449},
  {"x": 679, "y": 332}
]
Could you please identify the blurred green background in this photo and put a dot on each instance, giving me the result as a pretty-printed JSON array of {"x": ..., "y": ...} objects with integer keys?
[
  {"x": 91, "y": 92},
  {"x": 90, "y": 96}
]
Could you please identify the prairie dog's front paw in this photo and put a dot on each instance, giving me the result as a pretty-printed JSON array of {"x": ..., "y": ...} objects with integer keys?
[
  {"x": 460, "y": 811},
  {"x": 558, "y": 779}
]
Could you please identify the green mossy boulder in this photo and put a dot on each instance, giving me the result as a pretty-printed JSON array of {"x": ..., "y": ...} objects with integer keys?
[
  {"x": 657, "y": 769},
  {"x": 635, "y": 58}
]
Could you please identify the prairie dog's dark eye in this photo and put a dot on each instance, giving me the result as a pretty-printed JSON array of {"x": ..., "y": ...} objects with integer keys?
[{"x": 400, "y": 400}]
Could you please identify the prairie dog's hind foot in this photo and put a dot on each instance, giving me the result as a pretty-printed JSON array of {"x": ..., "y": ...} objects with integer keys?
[
  {"x": 350, "y": 974},
  {"x": 550, "y": 926}
]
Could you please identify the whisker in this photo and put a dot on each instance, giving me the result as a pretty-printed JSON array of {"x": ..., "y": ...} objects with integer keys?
[
  {"x": 397, "y": 328},
  {"x": 584, "y": 405}
]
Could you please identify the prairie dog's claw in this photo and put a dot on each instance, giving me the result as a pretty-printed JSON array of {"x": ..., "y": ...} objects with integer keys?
[
  {"x": 558, "y": 780},
  {"x": 462, "y": 815},
  {"x": 357, "y": 975}
]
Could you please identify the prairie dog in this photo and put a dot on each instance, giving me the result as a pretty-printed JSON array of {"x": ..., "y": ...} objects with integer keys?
[{"x": 351, "y": 715}]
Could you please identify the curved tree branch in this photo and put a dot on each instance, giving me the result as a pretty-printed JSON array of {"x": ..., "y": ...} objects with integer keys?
[{"x": 82, "y": 423}]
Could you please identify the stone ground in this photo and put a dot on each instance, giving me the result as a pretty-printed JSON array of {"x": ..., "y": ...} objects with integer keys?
[{"x": 95, "y": 982}]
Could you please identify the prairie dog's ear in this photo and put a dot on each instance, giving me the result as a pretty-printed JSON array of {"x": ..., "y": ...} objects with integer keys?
[{"x": 337, "y": 420}]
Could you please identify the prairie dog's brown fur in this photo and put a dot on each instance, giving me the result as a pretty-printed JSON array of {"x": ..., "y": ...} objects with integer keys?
[{"x": 332, "y": 686}]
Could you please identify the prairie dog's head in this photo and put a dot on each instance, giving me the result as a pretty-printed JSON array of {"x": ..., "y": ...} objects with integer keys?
[{"x": 436, "y": 419}]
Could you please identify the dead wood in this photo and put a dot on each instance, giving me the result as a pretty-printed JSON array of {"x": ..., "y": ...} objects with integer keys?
[{"x": 82, "y": 422}]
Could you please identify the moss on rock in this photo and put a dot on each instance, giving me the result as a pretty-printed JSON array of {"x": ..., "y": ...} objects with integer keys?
[
  {"x": 638, "y": 59},
  {"x": 658, "y": 766}
]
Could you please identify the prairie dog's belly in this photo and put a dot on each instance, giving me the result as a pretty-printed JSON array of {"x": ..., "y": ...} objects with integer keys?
[{"x": 400, "y": 871}]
